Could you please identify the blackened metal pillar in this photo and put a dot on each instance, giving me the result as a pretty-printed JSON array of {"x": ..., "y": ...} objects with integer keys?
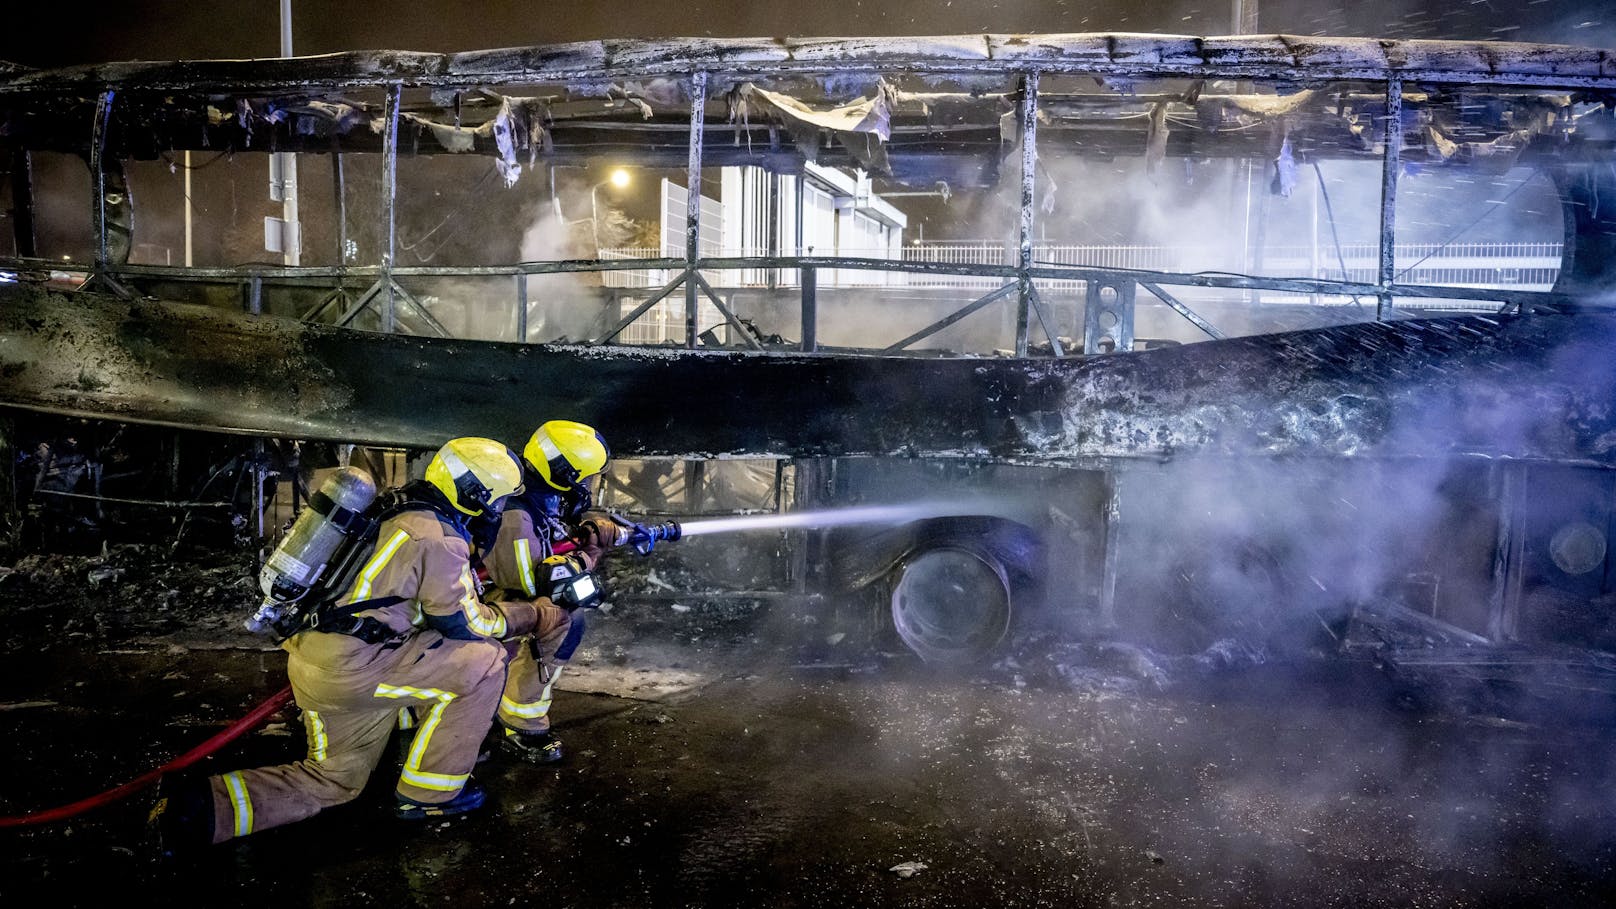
[
  {"x": 389, "y": 191},
  {"x": 810, "y": 309},
  {"x": 22, "y": 203},
  {"x": 1112, "y": 557},
  {"x": 1029, "y": 165},
  {"x": 98, "y": 174},
  {"x": 339, "y": 201},
  {"x": 1391, "y": 165},
  {"x": 1507, "y": 482},
  {"x": 695, "y": 480},
  {"x": 773, "y": 241},
  {"x": 259, "y": 461},
  {"x": 521, "y": 307},
  {"x": 808, "y": 277},
  {"x": 698, "y": 119}
]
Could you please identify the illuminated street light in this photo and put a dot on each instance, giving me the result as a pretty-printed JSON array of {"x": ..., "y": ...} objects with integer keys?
[{"x": 619, "y": 178}]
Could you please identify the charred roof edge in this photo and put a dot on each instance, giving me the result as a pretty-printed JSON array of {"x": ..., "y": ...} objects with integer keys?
[{"x": 1140, "y": 54}]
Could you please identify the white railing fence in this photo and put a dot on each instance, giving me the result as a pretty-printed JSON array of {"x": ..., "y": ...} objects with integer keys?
[
  {"x": 1505, "y": 266},
  {"x": 1513, "y": 266}
]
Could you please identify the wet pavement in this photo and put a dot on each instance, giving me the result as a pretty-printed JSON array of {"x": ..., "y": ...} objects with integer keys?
[{"x": 715, "y": 761}]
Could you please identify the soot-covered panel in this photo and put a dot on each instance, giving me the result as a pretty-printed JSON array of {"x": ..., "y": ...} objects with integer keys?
[{"x": 1535, "y": 387}]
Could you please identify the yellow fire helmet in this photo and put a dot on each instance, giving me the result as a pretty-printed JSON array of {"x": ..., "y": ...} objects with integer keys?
[
  {"x": 473, "y": 472},
  {"x": 565, "y": 453}
]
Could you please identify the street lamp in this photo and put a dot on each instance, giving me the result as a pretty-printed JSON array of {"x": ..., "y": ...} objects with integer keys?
[{"x": 619, "y": 178}]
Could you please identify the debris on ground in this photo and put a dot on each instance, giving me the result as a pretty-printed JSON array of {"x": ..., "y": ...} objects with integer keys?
[
  {"x": 98, "y": 576},
  {"x": 790, "y": 772},
  {"x": 26, "y": 705},
  {"x": 133, "y": 590}
]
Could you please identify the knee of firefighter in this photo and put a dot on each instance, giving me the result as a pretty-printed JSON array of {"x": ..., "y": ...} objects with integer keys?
[
  {"x": 479, "y": 664},
  {"x": 341, "y": 777}
]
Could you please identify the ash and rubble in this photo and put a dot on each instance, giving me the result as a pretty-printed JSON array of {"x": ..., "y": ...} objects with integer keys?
[
  {"x": 720, "y": 756},
  {"x": 132, "y": 593},
  {"x": 668, "y": 620}
]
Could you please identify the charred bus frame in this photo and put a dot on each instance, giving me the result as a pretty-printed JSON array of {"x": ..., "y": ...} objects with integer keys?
[
  {"x": 1282, "y": 63},
  {"x": 1048, "y": 412}
]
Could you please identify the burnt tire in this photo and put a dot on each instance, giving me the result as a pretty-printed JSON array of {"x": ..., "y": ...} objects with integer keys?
[{"x": 951, "y": 605}]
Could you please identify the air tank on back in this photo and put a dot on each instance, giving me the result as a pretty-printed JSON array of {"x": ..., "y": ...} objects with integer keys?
[{"x": 336, "y": 513}]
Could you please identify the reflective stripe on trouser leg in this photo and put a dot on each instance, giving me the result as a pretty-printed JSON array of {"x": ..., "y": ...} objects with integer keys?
[
  {"x": 532, "y": 710},
  {"x": 413, "y": 774},
  {"x": 240, "y": 803},
  {"x": 336, "y": 676},
  {"x": 532, "y": 669},
  {"x": 353, "y": 740},
  {"x": 406, "y": 717},
  {"x": 525, "y": 702}
]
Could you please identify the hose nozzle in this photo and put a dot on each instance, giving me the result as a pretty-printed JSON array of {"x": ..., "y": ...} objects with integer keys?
[
  {"x": 644, "y": 537},
  {"x": 667, "y": 530}
]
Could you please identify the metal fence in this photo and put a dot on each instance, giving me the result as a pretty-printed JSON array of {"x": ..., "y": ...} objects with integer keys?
[{"x": 1500, "y": 266}]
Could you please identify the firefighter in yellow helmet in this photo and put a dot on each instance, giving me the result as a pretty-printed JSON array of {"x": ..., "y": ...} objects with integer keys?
[
  {"x": 558, "y": 462},
  {"x": 405, "y": 630}
]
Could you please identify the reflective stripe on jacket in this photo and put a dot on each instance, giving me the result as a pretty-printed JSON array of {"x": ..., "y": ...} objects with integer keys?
[
  {"x": 420, "y": 575},
  {"x": 518, "y": 549}
]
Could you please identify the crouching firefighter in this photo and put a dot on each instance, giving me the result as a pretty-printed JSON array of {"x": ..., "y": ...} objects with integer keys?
[
  {"x": 557, "y": 462},
  {"x": 401, "y": 626}
]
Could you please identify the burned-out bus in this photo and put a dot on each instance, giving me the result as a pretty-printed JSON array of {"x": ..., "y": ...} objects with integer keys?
[{"x": 1206, "y": 339}]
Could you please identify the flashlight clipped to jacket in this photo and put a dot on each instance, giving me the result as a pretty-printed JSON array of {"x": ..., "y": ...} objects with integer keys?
[{"x": 572, "y": 585}]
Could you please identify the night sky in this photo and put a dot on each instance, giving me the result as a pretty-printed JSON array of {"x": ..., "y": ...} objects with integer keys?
[{"x": 59, "y": 34}]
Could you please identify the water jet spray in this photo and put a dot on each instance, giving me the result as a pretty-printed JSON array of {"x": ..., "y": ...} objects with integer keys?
[
  {"x": 644, "y": 537},
  {"x": 831, "y": 517}
]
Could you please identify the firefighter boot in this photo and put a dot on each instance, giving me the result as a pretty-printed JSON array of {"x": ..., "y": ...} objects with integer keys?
[
  {"x": 530, "y": 747},
  {"x": 181, "y": 822},
  {"x": 470, "y": 798}
]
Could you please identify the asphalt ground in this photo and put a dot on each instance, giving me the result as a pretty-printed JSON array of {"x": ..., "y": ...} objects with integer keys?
[{"x": 715, "y": 759}]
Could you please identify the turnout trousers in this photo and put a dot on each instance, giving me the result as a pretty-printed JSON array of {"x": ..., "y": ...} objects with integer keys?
[
  {"x": 351, "y": 694},
  {"x": 535, "y": 663}
]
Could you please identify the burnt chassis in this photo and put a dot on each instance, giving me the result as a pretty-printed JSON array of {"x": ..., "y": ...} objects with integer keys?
[
  {"x": 1008, "y": 411},
  {"x": 952, "y": 590},
  {"x": 1486, "y": 609}
]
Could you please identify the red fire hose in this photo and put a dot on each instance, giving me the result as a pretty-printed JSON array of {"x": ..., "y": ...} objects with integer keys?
[{"x": 229, "y": 734}]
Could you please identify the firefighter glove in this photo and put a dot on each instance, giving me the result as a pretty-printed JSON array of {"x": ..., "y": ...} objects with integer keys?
[{"x": 601, "y": 534}]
